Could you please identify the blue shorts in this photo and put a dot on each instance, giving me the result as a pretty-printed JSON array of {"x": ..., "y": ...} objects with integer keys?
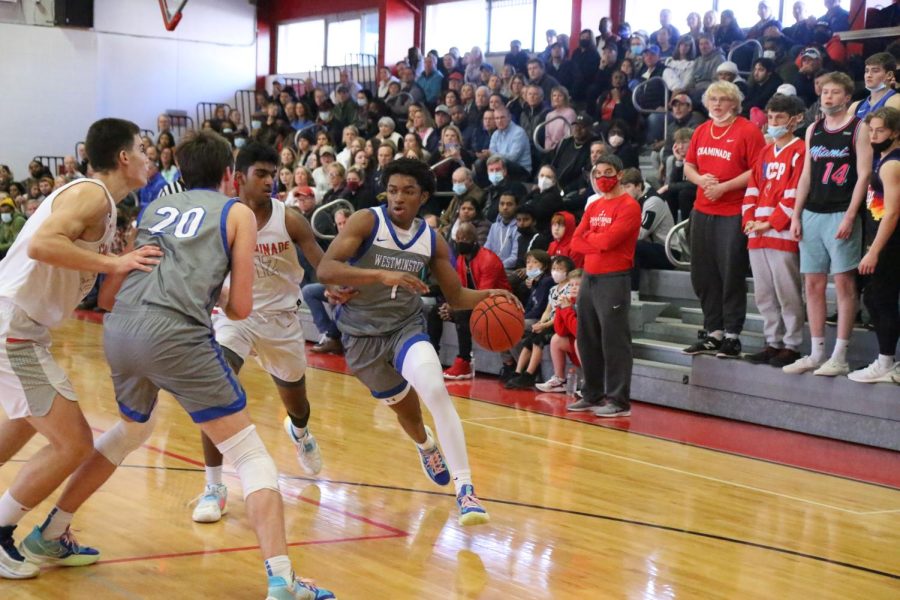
[{"x": 821, "y": 252}]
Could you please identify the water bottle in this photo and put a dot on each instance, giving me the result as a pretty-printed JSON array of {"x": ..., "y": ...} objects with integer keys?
[{"x": 571, "y": 381}]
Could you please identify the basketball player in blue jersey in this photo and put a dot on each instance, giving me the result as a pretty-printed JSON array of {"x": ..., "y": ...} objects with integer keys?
[
  {"x": 159, "y": 335},
  {"x": 381, "y": 253},
  {"x": 272, "y": 329}
]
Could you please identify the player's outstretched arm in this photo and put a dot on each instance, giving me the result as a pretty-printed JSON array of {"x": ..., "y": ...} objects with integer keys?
[
  {"x": 458, "y": 297},
  {"x": 81, "y": 213},
  {"x": 335, "y": 270},
  {"x": 241, "y": 225},
  {"x": 302, "y": 234}
]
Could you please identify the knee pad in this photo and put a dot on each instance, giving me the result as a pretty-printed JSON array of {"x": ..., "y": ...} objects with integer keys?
[
  {"x": 125, "y": 438},
  {"x": 394, "y": 398},
  {"x": 246, "y": 452}
]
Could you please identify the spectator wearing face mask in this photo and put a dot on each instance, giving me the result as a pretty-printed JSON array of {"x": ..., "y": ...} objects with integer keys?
[
  {"x": 464, "y": 188},
  {"x": 619, "y": 142},
  {"x": 538, "y": 283},
  {"x": 545, "y": 199},
  {"x": 11, "y": 223}
]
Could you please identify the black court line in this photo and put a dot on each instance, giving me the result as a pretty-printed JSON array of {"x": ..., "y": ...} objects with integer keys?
[{"x": 601, "y": 425}]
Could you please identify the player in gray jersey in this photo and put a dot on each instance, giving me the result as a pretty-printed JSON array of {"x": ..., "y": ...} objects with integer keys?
[
  {"x": 382, "y": 253},
  {"x": 159, "y": 336}
]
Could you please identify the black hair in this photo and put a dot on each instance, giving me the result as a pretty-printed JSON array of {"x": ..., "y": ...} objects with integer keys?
[
  {"x": 767, "y": 63},
  {"x": 414, "y": 168},
  {"x": 612, "y": 160},
  {"x": 525, "y": 209},
  {"x": 541, "y": 256},
  {"x": 105, "y": 139},
  {"x": 255, "y": 152},
  {"x": 567, "y": 262},
  {"x": 780, "y": 103},
  {"x": 203, "y": 158}
]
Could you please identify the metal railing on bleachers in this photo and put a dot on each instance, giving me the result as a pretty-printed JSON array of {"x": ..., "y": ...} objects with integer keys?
[
  {"x": 740, "y": 53},
  {"x": 245, "y": 103},
  {"x": 207, "y": 110},
  {"x": 326, "y": 211},
  {"x": 181, "y": 122},
  {"x": 678, "y": 236},
  {"x": 149, "y": 133},
  {"x": 540, "y": 143},
  {"x": 639, "y": 93},
  {"x": 53, "y": 163}
]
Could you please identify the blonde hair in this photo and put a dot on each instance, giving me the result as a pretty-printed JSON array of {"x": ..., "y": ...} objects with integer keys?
[{"x": 727, "y": 89}]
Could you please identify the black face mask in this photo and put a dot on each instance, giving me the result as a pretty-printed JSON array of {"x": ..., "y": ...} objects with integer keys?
[
  {"x": 880, "y": 147},
  {"x": 466, "y": 248},
  {"x": 525, "y": 230},
  {"x": 584, "y": 44}
]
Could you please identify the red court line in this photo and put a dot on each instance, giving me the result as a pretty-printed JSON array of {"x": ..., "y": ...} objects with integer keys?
[{"x": 823, "y": 455}]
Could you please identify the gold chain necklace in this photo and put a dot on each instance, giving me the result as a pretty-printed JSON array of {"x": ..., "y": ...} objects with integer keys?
[{"x": 724, "y": 133}]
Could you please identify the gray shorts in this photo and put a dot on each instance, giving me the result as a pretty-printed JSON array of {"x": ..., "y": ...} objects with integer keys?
[
  {"x": 820, "y": 252},
  {"x": 377, "y": 361},
  {"x": 153, "y": 349}
]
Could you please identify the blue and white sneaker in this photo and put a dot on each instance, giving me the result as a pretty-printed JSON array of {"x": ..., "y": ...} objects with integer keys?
[
  {"x": 213, "y": 504},
  {"x": 433, "y": 464},
  {"x": 297, "y": 590},
  {"x": 307, "y": 449},
  {"x": 12, "y": 564},
  {"x": 64, "y": 552},
  {"x": 471, "y": 512}
]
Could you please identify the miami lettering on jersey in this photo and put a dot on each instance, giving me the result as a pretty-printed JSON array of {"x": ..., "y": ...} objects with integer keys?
[{"x": 823, "y": 152}]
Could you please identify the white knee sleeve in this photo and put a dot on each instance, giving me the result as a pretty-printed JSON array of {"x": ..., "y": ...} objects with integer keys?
[
  {"x": 246, "y": 452},
  {"x": 125, "y": 438}
]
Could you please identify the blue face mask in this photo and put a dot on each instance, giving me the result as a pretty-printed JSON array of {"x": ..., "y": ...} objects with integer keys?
[
  {"x": 495, "y": 177},
  {"x": 239, "y": 142},
  {"x": 459, "y": 189},
  {"x": 637, "y": 49},
  {"x": 777, "y": 132},
  {"x": 533, "y": 273}
]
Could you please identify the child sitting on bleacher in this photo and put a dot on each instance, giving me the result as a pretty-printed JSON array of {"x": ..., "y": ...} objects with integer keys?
[
  {"x": 539, "y": 334},
  {"x": 565, "y": 327}
]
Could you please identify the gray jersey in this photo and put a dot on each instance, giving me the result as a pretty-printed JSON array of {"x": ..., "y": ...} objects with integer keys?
[
  {"x": 190, "y": 229},
  {"x": 379, "y": 310}
]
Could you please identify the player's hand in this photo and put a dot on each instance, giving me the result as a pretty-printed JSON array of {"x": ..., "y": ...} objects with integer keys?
[
  {"x": 340, "y": 294},
  {"x": 404, "y": 280},
  {"x": 509, "y": 296},
  {"x": 845, "y": 229},
  {"x": 868, "y": 263},
  {"x": 142, "y": 259},
  {"x": 796, "y": 229},
  {"x": 748, "y": 228},
  {"x": 444, "y": 312}
]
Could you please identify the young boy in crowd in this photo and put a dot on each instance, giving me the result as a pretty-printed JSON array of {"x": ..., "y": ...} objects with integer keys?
[
  {"x": 565, "y": 328},
  {"x": 538, "y": 282},
  {"x": 539, "y": 334},
  {"x": 562, "y": 228},
  {"x": 774, "y": 253}
]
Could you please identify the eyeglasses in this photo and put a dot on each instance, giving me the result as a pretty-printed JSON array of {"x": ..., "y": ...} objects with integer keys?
[{"x": 675, "y": 103}]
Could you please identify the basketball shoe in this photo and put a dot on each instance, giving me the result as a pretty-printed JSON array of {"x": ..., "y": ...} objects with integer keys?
[
  {"x": 554, "y": 384},
  {"x": 279, "y": 589},
  {"x": 307, "y": 449},
  {"x": 212, "y": 504},
  {"x": 432, "y": 460},
  {"x": 12, "y": 564},
  {"x": 874, "y": 373},
  {"x": 460, "y": 369},
  {"x": 65, "y": 551},
  {"x": 471, "y": 512}
]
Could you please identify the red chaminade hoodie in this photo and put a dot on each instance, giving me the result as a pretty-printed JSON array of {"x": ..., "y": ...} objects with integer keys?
[
  {"x": 563, "y": 247},
  {"x": 607, "y": 235}
]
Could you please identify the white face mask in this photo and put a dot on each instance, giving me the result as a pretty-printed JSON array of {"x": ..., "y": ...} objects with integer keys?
[
  {"x": 616, "y": 140},
  {"x": 6, "y": 217},
  {"x": 545, "y": 183},
  {"x": 558, "y": 276},
  {"x": 769, "y": 54},
  {"x": 876, "y": 88}
]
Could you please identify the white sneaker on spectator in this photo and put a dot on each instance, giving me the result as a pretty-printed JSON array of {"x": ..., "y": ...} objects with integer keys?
[
  {"x": 874, "y": 373},
  {"x": 802, "y": 366},
  {"x": 832, "y": 368},
  {"x": 554, "y": 384}
]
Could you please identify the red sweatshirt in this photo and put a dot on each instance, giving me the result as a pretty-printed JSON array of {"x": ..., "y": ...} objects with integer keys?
[
  {"x": 607, "y": 235},
  {"x": 563, "y": 247},
  {"x": 487, "y": 271},
  {"x": 771, "y": 194}
]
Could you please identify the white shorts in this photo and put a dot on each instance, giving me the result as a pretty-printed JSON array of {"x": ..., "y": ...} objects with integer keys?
[
  {"x": 29, "y": 377},
  {"x": 277, "y": 339}
]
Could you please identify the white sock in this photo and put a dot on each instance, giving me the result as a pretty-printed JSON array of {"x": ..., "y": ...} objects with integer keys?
[
  {"x": 280, "y": 566},
  {"x": 717, "y": 334},
  {"x": 214, "y": 475},
  {"x": 817, "y": 349},
  {"x": 56, "y": 524},
  {"x": 460, "y": 479},
  {"x": 732, "y": 336},
  {"x": 11, "y": 512},
  {"x": 840, "y": 350},
  {"x": 885, "y": 361},
  {"x": 299, "y": 433},
  {"x": 422, "y": 369},
  {"x": 428, "y": 444}
]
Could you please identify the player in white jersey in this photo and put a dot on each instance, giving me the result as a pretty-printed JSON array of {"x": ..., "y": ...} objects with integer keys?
[
  {"x": 272, "y": 330},
  {"x": 47, "y": 272}
]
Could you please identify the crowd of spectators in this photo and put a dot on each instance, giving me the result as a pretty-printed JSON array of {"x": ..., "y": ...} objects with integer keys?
[{"x": 515, "y": 152}]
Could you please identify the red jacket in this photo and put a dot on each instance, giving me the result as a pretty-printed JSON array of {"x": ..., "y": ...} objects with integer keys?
[
  {"x": 487, "y": 271},
  {"x": 607, "y": 234},
  {"x": 563, "y": 247},
  {"x": 771, "y": 193}
]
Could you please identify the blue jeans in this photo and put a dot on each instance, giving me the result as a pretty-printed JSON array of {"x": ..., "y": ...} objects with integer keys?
[{"x": 314, "y": 298}]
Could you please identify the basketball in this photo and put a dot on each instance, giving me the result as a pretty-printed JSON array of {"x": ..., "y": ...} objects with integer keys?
[{"x": 497, "y": 323}]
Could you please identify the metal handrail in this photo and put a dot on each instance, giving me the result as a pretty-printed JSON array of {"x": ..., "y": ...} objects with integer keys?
[
  {"x": 649, "y": 111},
  {"x": 677, "y": 233},
  {"x": 757, "y": 52},
  {"x": 446, "y": 160},
  {"x": 534, "y": 136},
  {"x": 332, "y": 206}
]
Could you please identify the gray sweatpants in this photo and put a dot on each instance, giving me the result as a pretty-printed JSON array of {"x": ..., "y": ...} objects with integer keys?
[
  {"x": 604, "y": 337},
  {"x": 776, "y": 287},
  {"x": 718, "y": 270}
]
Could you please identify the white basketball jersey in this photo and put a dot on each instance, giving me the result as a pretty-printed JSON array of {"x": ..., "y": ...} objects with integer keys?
[
  {"x": 45, "y": 293},
  {"x": 278, "y": 270}
]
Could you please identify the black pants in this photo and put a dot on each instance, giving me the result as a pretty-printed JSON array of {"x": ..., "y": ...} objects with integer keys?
[
  {"x": 604, "y": 337},
  {"x": 463, "y": 333},
  {"x": 718, "y": 271},
  {"x": 881, "y": 296},
  {"x": 680, "y": 197},
  {"x": 648, "y": 255}
]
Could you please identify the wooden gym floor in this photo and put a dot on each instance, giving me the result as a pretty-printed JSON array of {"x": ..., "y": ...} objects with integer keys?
[{"x": 579, "y": 511}]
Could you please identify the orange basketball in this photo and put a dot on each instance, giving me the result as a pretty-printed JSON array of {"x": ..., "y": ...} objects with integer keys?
[{"x": 497, "y": 323}]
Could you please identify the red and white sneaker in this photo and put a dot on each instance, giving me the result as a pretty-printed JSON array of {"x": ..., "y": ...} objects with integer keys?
[{"x": 460, "y": 369}]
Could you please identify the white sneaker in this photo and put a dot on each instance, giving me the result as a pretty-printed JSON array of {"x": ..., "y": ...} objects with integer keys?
[
  {"x": 801, "y": 366},
  {"x": 12, "y": 564},
  {"x": 554, "y": 384},
  {"x": 832, "y": 368},
  {"x": 874, "y": 373},
  {"x": 212, "y": 505},
  {"x": 308, "y": 452}
]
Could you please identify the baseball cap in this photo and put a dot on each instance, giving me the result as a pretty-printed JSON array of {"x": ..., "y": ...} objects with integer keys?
[
  {"x": 326, "y": 150},
  {"x": 456, "y": 75},
  {"x": 304, "y": 190},
  {"x": 812, "y": 53},
  {"x": 652, "y": 49},
  {"x": 442, "y": 108},
  {"x": 583, "y": 119},
  {"x": 786, "y": 89},
  {"x": 727, "y": 67}
]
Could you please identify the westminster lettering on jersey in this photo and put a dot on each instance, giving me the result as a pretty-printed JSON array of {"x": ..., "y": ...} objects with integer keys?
[
  {"x": 717, "y": 152},
  {"x": 398, "y": 263}
]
